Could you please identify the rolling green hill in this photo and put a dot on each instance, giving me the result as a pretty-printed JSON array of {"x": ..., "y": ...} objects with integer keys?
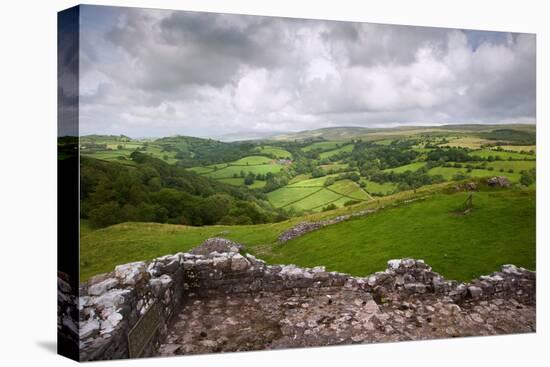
[
  {"x": 143, "y": 198},
  {"x": 408, "y": 167},
  {"x": 275, "y": 151},
  {"x": 486, "y": 153},
  {"x": 458, "y": 246}
]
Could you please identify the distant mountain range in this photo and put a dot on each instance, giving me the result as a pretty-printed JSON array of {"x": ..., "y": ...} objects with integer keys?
[
  {"x": 346, "y": 133},
  {"x": 356, "y": 132}
]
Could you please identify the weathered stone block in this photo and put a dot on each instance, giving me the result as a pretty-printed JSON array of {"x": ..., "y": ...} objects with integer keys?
[
  {"x": 475, "y": 292},
  {"x": 132, "y": 273},
  {"x": 101, "y": 287}
]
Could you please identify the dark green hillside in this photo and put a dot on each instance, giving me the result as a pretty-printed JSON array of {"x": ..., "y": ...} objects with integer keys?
[
  {"x": 190, "y": 151},
  {"x": 516, "y": 137},
  {"x": 154, "y": 191}
]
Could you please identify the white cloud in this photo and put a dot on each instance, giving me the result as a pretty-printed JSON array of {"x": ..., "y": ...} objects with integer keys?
[{"x": 152, "y": 72}]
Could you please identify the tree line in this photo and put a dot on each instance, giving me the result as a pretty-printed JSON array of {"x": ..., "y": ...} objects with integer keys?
[{"x": 154, "y": 191}]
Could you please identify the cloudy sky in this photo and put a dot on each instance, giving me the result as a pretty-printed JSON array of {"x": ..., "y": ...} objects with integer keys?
[{"x": 151, "y": 73}]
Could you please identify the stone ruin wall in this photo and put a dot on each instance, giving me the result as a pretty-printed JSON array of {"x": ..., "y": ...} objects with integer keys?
[
  {"x": 111, "y": 304},
  {"x": 67, "y": 316}
]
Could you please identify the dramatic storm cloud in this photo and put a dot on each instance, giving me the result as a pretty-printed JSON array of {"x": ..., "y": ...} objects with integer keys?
[{"x": 157, "y": 73}]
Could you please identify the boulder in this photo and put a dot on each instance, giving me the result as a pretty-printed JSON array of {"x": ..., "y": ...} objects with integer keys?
[
  {"x": 88, "y": 328},
  {"x": 475, "y": 292},
  {"x": 498, "y": 181},
  {"x": 132, "y": 273},
  {"x": 102, "y": 287},
  {"x": 239, "y": 263},
  {"x": 415, "y": 288},
  {"x": 170, "y": 267},
  {"x": 112, "y": 299},
  {"x": 394, "y": 264},
  {"x": 158, "y": 285},
  {"x": 221, "y": 262},
  {"x": 217, "y": 244}
]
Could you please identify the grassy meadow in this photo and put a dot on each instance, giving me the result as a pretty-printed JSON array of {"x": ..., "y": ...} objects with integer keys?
[{"x": 458, "y": 246}]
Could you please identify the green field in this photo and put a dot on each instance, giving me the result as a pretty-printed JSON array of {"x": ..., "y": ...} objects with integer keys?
[
  {"x": 317, "y": 201},
  {"x": 240, "y": 182},
  {"x": 230, "y": 171},
  {"x": 458, "y": 246},
  {"x": 287, "y": 195},
  {"x": 449, "y": 172},
  {"x": 312, "y": 182},
  {"x": 277, "y": 152},
  {"x": 334, "y": 166},
  {"x": 408, "y": 167},
  {"x": 422, "y": 150},
  {"x": 520, "y": 148},
  {"x": 113, "y": 153},
  {"x": 201, "y": 170},
  {"x": 481, "y": 241},
  {"x": 226, "y": 172},
  {"x": 323, "y": 146},
  {"x": 486, "y": 153},
  {"x": 500, "y": 168},
  {"x": 384, "y": 141},
  {"x": 517, "y": 166},
  {"x": 101, "y": 250},
  {"x": 214, "y": 166},
  {"x": 346, "y": 148},
  {"x": 312, "y": 195},
  {"x": 298, "y": 178},
  {"x": 379, "y": 188},
  {"x": 350, "y": 189},
  {"x": 252, "y": 161}
]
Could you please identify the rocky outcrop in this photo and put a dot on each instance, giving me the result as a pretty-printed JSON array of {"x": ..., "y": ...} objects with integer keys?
[
  {"x": 211, "y": 301},
  {"x": 498, "y": 181}
]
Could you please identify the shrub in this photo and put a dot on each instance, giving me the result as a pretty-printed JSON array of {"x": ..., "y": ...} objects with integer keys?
[
  {"x": 459, "y": 176},
  {"x": 329, "y": 207},
  {"x": 351, "y": 202}
]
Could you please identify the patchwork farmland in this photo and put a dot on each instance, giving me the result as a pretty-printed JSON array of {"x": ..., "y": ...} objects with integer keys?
[{"x": 193, "y": 189}]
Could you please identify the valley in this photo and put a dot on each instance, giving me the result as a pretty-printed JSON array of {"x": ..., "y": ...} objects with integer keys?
[{"x": 191, "y": 189}]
